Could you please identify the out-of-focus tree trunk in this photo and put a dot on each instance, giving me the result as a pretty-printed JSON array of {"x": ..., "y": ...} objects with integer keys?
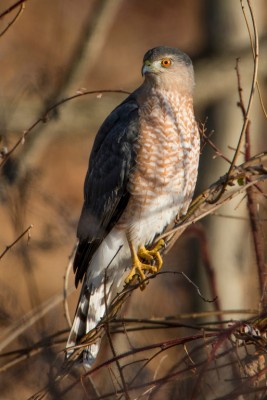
[{"x": 229, "y": 239}]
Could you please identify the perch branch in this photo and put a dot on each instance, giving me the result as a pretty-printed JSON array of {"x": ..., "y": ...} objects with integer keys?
[{"x": 242, "y": 177}]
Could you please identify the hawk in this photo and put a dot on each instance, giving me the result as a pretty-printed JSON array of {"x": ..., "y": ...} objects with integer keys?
[{"x": 142, "y": 173}]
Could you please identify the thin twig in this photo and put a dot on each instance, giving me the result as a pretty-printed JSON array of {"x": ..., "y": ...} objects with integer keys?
[
  {"x": 162, "y": 345},
  {"x": 244, "y": 176},
  {"x": 18, "y": 327},
  {"x": 198, "y": 290},
  {"x": 253, "y": 207},
  {"x": 8, "y": 247},
  {"x": 65, "y": 289},
  {"x": 26, "y": 353},
  {"x": 107, "y": 329},
  {"x": 255, "y": 52},
  {"x": 44, "y": 118},
  {"x": 11, "y": 8},
  {"x": 92, "y": 36},
  {"x": 22, "y": 7},
  {"x": 206, "y": 139},
  {"x": 203, "y": 245}
]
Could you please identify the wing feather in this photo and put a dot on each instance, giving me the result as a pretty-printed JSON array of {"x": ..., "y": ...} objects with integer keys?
[{"x": 105, "y": 188}]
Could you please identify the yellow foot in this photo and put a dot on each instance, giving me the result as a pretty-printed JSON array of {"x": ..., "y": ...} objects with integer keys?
[
  {"x": 153, "y": 254},
  {"x": 140, "y": 267}
]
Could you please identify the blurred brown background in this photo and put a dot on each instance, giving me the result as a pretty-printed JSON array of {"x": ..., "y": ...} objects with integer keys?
[{"x": 57, "y": 48}]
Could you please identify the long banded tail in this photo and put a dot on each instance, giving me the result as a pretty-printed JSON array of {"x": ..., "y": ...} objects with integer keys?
[{"x": 90, "y": 310}]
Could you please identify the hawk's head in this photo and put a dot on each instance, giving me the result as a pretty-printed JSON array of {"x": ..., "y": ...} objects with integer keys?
[{"x": 168, "y": 66}]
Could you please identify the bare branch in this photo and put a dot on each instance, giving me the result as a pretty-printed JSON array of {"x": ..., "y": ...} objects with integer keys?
[
  {"x": 19, "y": 3},
  {"x": 16, "y": 241},
  {"x": 22, "y": 7},
  {"x": 65, "y": 289},
  {"x": 255, "y": 52},
  {"x": 241, "y": 178},
  {"x": 45, "y": 117},
  {"x": 253, "y": 206},
  {"x": 18, "y": 327}
]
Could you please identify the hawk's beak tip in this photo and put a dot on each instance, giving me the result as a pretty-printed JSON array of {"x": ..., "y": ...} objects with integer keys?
[{"x": 145, "y": 69}]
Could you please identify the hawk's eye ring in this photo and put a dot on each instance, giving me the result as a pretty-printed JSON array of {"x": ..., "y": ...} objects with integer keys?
[{"x": 166, "y": 62}]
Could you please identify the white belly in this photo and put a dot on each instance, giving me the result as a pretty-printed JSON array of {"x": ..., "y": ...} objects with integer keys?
[{"x": 152, "y": 220}]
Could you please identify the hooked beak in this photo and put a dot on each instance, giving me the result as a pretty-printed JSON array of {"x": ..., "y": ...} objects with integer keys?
[{"x": 146, "y": 69}]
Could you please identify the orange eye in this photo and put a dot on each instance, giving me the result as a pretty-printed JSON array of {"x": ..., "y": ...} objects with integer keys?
[{"x": 166, "y": 62}]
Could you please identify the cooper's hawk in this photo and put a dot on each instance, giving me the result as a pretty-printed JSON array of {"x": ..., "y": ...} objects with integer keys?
[{"x": 142, "y": 173}]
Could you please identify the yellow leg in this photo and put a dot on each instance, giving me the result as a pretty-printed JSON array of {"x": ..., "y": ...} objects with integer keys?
[{"x": 139, "y": 267}]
